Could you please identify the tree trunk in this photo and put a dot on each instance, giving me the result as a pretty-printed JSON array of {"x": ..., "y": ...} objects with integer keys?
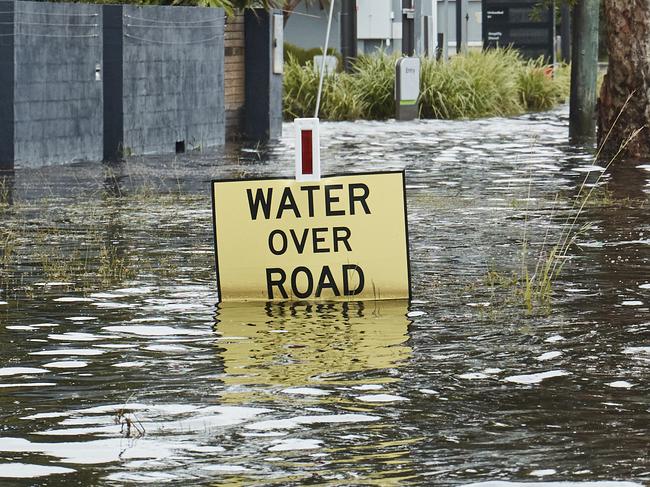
[
  {"x": 628, "y": 73},
  {"x": 287, "y": 9}
]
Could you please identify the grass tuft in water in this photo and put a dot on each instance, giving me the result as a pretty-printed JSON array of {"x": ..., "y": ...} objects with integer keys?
[
  {"x": 5, "y": 192},
  {"x": 535, "y": 290},
  {"x": 95, "y": 243}
]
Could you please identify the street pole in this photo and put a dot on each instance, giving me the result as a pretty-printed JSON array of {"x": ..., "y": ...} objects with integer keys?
[
  {"x": 565, "y": 31},
  {"x": 459, "y": 26},
  {"x": 445, "y": 31},
  {"x": 465, "y": 39},
  {"x": 584, "y": 70},
  {"x": 408, "y": 28},
  {"x": 348, "y": 33}
]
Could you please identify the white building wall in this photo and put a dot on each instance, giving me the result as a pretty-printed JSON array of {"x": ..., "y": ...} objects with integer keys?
[{"x": 379, "y": 25}]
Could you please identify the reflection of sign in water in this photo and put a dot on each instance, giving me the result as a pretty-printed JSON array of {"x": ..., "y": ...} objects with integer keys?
[
  {"x": 339, "y": 238},
  {"x": 523, "y": 24},
  {"x": 285, "y": 345}
]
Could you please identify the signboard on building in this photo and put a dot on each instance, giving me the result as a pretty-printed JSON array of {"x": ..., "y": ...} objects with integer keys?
[
  {"x": 338, "y": 238},
  {"x": 522, "y": 24}
]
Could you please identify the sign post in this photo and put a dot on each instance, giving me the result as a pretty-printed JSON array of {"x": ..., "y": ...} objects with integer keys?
[{"x": 307, "y": 149}]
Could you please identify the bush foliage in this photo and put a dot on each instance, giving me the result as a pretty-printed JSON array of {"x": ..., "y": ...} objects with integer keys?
[{"x": 480, "y": 84}]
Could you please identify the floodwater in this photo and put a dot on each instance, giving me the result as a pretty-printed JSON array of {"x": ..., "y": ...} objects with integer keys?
[{"x": 117, "y": 367}]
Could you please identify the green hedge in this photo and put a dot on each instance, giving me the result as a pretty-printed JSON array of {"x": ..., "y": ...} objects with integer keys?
[{"x": 480, "y": 84}]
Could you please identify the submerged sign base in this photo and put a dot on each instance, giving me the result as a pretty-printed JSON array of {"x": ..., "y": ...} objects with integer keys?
[{"x": 340, "y": 238}]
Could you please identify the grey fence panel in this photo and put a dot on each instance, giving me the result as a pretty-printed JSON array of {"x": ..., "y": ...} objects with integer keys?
[
  {"x": 173, "y": 78},
  {"x": 58, "y": 115},
  {"x": 91, "y": 82}
]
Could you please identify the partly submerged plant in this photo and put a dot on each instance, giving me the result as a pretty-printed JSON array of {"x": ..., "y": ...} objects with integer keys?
[
  {"x": 471, "y": 86},
  {"x": 340, "y": 100},
  {"x": 300, "y": 89},
  {"x": 536, "y": 289},
  {"x": 537, "y": 87},
  {"x": 373, "y": 84},
  {"x": 497, "y": 82},
  {"x": 5, "y": 192}
]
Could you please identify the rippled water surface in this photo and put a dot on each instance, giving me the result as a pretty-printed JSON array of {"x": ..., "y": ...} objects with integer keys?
[{"x": 118, "y": 368}]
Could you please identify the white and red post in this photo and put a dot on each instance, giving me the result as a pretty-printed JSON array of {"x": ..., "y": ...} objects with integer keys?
[{"x": 307, "y": 149}]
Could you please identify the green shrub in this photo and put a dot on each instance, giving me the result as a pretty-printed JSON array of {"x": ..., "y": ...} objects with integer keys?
[
  {"x": 562, "y": 77},
  {"x": 303, "y": 56},
  {"x": 481, "y": 84},
  {"x": 373, "y": 82},
  {"x": 538, "y": 90},
  {"x": 338, "y": 101},
  {"x": 471, "y": 86},
  {"x": 300, "y": 89}
]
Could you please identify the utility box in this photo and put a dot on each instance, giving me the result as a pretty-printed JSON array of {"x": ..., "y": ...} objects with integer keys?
[
  {"x": 521, "y": 24},
  {"x": 407, "y": 88},
  {"x": 374, "y": 19}
]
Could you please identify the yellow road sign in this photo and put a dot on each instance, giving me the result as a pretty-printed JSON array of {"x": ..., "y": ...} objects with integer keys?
[{"x": 340, "y": 238}]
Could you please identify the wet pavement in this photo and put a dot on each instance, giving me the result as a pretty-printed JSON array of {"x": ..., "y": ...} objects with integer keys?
[{"x": 117, "y": 367}]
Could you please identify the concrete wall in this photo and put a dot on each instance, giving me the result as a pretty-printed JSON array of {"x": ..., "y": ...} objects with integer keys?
[
  {"x": 306, "y": 27},
  {"x": 57, "y": 97},
  {"x": 173, "y": 78}
]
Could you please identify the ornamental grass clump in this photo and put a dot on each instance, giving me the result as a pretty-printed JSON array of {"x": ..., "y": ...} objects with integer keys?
[
  {"x": 480, "y": 84},
  {"x": 338, "y": 102},
  {"x": 497, "y": 82},
  {"x": 366, "y": 93},
  {"x": 538, "y": 88},
  {"x": 373, "y": 83},
  {"x": 300, "y": 89}
]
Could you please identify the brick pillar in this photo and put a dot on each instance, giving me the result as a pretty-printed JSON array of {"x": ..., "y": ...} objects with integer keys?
[{"x": 234, "y": 75}]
